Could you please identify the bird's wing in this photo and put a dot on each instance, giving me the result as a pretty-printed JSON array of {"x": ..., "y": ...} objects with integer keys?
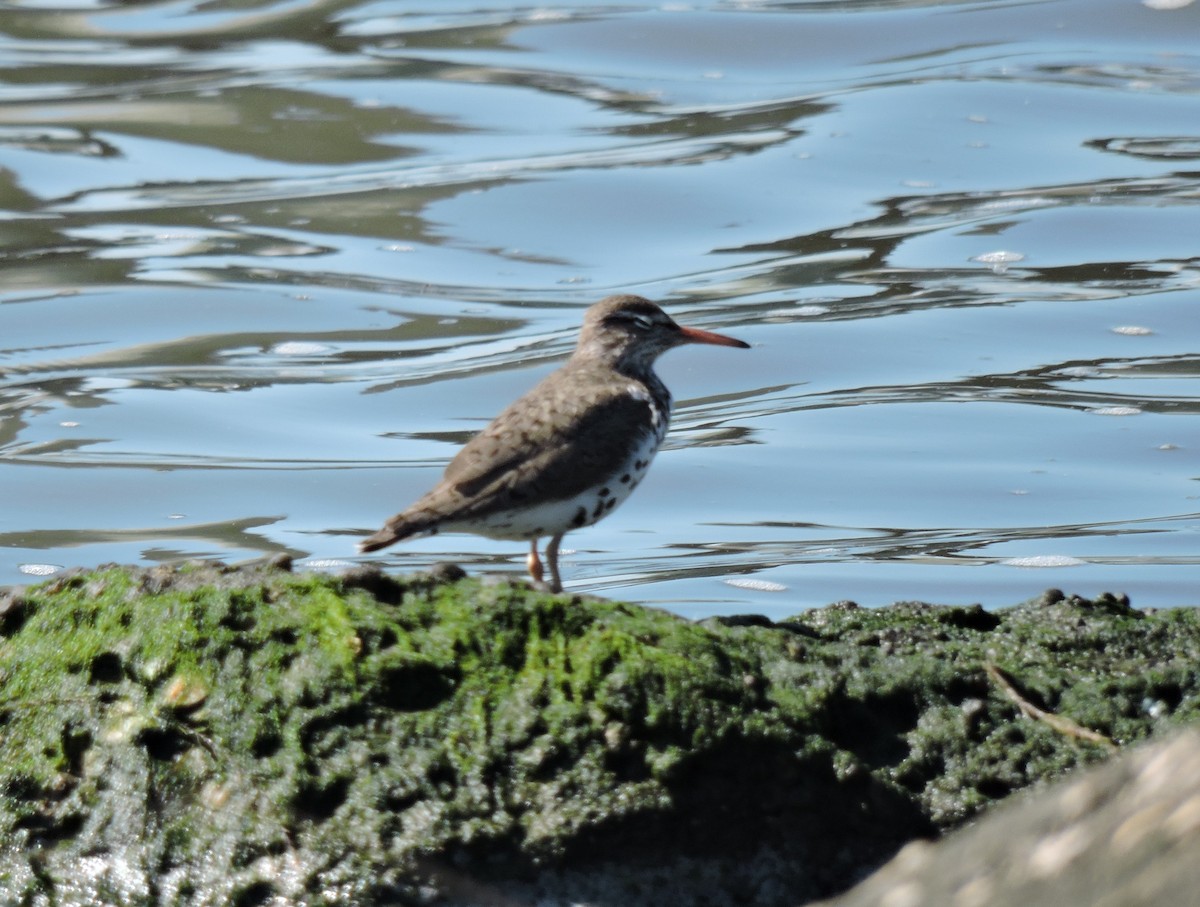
[{"x": 548, "y": 442}]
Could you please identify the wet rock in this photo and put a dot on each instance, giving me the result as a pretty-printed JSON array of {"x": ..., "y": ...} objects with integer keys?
[{"x": 201, "y": 734}]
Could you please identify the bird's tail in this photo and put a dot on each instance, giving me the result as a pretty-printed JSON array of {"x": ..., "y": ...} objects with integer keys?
[
  {"x": 380, "y": 539},
  {"x": 398, "y": 528}
]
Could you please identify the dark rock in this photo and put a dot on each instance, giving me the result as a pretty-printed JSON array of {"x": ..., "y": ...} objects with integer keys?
[
  {"x": 444, "y": 572},
  {"x": 282, "y": 561},
  {"x": 739, "y": 620}
]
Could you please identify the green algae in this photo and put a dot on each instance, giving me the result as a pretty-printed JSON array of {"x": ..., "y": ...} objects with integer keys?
[
  {"x": 927, "y": 717},
  {"x": 239, "y": 736}
]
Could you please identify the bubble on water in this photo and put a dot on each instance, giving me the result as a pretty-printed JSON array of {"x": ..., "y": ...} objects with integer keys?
[
  {"x": 39, "y": 569},
  {"x": 809, "y": 311},
  {"x": 1044, "y": 560},
  {"x": 288, "y": 250},
  {"x": 1024, "y": 203},
  {"x": 791, "y": 313},
  {"x": 756, "y": 585},
  {"x": 328, "y": 563},
  {"x": 1132, "y": 330},
  {"x": 1000, "y": 260},
  {"x": 299, "y": 348},
  {"x": 1115, "y": 411}
]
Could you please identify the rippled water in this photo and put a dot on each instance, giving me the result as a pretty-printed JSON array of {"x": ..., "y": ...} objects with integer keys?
[{"x": 265, "y": 264}]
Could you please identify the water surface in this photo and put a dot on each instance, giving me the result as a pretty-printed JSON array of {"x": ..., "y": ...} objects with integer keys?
[{"x": 265, "y": 265}]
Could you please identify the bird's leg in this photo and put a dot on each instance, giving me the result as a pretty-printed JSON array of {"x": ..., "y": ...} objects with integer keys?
[
  {"x": 552, "y": 557},
  {"x": 533, "y": 563}
]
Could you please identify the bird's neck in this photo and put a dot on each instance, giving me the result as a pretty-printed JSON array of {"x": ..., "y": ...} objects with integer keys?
[
  {"x": 636, "y": 370},
  {"x": 643, "y": 373}
]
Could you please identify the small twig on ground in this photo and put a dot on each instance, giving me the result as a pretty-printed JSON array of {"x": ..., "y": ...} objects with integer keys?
[{"x": 1064, "y": 726}]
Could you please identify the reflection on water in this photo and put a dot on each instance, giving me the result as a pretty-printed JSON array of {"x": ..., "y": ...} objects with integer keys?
[{"x": 266, "y": 265}]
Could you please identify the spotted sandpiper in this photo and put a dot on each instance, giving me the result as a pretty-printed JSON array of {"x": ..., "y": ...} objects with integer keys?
[{"x": 569, "y": 451}]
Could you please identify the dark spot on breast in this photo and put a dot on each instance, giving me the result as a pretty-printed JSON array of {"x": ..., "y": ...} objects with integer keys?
[
  {"x": 599, "y": 511},
  {"x": 639, "y": 465},
  {"x": 625, "y": 479},
  {"x": 612, "y": 502},
  {"x": 604, "y": 492},
  {"x": 580, "y": 517}
]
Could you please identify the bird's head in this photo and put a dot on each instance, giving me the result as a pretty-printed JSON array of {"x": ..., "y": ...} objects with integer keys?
[{"x": 631, "y": 332}]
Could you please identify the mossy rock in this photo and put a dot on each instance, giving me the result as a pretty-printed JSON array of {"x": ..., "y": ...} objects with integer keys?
[{"x": 206, "y": 735}]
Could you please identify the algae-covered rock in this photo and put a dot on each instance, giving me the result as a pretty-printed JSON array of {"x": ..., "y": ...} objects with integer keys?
[{"x": 204, "y": 735}]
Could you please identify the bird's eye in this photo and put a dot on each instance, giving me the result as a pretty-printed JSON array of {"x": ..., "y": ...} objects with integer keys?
[{"x": 631, "y": 321}]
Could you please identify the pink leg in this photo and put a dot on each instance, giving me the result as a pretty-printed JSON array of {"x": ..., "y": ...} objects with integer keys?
[{"x": 534, "y": 563}]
